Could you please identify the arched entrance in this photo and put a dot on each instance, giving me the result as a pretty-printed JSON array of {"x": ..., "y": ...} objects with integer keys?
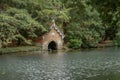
[{"x": 52, "y": 46}]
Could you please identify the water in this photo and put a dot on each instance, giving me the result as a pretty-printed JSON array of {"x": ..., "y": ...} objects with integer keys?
[{"x": 95, "y": 64}]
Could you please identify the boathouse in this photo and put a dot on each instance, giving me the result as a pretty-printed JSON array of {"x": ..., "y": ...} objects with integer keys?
[{"x": 53, "y": 40}]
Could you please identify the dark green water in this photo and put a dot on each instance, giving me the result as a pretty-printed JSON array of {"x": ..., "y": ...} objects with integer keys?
[{"x": 97, "y": 64}]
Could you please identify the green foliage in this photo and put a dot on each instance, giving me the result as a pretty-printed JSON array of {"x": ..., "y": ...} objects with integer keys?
[
  {"x": 75, "y": 43},
  {"x": 85, "y": 25},
  {"x": 17, "y": 24},
  {"x": 117, "y": 19},
  {"x": 110, "y": 15},
  {"x": 108, "y": 10},
  {"x": 7, "y": 28},
  {"x": 117, "y": 40},
  {"x": 53, "y": 9},
  {"x": 22, "y": 20},
  {"x": 84, "y": 22}
]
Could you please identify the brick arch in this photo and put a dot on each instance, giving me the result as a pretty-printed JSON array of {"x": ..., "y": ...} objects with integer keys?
[
  {"x": 53, "y": 35},
  {"x": 52, "y": 45}
]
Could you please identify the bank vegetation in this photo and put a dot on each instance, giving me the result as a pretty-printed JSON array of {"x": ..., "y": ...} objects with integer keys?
[{"x": 85, "y": 23}]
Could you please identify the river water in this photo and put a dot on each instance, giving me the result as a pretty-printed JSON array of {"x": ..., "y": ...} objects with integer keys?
[{"x": 94, "y": 64}]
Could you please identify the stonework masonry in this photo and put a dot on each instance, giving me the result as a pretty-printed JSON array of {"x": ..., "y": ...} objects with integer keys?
[{"x": 55, "y": 35}]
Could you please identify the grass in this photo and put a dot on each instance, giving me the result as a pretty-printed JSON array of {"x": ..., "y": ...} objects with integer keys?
[{"x": 19, "y": 49}]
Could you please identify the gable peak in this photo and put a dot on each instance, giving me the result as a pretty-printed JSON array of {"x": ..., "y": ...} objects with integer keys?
[{"x": 53, "y": 23}]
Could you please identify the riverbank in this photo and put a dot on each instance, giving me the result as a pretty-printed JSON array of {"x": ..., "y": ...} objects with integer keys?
[
  {"x": 19, "y": 49},
  {"x": 9, "y": 50},
  {"x": 107, "y": 43}
]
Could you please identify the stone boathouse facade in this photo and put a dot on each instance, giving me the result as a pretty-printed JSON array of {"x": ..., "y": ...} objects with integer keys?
[{"x": 52, "y": 40}]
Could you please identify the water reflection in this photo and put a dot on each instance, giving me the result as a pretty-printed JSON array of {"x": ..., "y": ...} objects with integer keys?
[{"x": 98, "y": 64}]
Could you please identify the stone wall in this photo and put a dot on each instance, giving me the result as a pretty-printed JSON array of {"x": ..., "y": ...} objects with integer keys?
[{"x": 53, "y": 35}]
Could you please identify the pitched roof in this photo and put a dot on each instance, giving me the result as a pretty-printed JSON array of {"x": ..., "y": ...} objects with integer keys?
[{"x": 57, "y": 29}]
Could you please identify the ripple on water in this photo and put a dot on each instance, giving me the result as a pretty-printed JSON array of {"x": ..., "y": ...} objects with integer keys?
[{"x": 86, "y": 65}]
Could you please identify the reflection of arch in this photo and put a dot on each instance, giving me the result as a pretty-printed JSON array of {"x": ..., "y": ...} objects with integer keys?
[{"x": 52, "y": 45}]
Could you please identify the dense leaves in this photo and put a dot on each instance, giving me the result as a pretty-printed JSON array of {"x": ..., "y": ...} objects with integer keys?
[
  {"x": 17, "y": 25},
  {"x": 84, "y": 22}
]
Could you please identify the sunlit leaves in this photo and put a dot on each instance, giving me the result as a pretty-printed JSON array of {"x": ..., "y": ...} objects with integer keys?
[{"x": 18, "y": 24}]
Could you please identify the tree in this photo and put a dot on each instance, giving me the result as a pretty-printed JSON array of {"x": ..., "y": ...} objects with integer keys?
[
  {"x": 29, "y": 17},
  {"x": 85, "y": 23},
  {"x": 17, "y": 24},
  {"x": 107, "y": 10}
]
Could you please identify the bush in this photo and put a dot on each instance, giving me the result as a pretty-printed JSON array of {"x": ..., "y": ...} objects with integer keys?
[
  {"x": 117, "y": 41},
  {"x": 75, "y": 43}
]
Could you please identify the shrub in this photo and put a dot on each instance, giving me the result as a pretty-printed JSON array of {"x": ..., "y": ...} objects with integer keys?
[
  {"x": 75, "y": 43},
  {"x": 117, "y": 40}
]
